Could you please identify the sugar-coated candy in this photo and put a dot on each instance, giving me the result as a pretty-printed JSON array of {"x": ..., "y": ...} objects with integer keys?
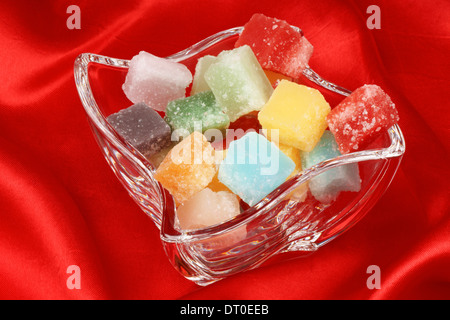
[
  {"x": 254, "y": 167},
  {"x": 207, "y": 208},
  {"x": 142, "y": 127},
  {"x": 188, "y": 167},
  {"x": 199, "y": 84},
  {"x": 198, "y": 112},
  {"x": 361, "y": 117},
  {"x": 278, "y": 46},
  {"x": 155, "y": 80},
  {"x": 238, "y": 82},
  {"x": 326, "y": 186},
  {"x": 298, "y": 112},
  {"x": 271, "y": 127}
]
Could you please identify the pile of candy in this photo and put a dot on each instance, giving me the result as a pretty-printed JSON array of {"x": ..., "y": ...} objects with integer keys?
[{"x": 208, "y": 147}]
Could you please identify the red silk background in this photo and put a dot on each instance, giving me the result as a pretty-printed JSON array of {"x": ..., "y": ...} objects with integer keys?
[{"x": 61, "y": 205}]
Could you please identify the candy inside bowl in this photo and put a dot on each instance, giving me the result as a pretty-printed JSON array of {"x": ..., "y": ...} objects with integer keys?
[{"x": 288, "y": 217}]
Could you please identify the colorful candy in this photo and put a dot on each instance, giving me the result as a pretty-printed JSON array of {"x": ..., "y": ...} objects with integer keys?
[
  {"x": 326, "y": 186},
  {"x": 271, "y": 128},
  {"x": 199, "y": 112},
  {"x": 278, "y": 46},
  {"x": 298, "y": 112},
  {"x": 142, "y": 127},
  {"x": 238, "y": 82},
  {"x": 199, "y": 84},
  {"x": 207, "y": 208},
  {"x": 361, "y": 117},
  {"x": 254, "y": 167},
  {"x": 188, "y": 168},
  {"x": 155, "y": 81}
]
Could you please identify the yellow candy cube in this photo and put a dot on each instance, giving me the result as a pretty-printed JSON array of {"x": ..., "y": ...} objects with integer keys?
[{"x": 298, "y": 112}]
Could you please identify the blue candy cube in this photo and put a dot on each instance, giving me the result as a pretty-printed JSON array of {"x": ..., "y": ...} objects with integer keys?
[
  {"x": 327, "y": 186},
  {"x": 254, "y": 167}
]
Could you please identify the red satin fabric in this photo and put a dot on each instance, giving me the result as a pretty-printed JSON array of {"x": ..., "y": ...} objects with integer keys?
[{"x": 61, "y": 205}]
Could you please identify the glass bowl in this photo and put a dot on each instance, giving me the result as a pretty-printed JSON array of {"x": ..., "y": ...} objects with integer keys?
[{"x": 269, "y": 230}]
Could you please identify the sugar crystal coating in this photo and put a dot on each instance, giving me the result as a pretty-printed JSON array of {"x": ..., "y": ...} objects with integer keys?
[
  {"x": 142, "y": 127},
  {"x": 199, "y": 112},
  {"x": 238, "y": 82},
  {"x": 361, "y": 117},
  {"x": 254, "y": 167},
  {"x": 232, "y": 88},
  {"x": 188, "y": 168},
  {"x": 298, "y": 112},
  {"x": 326, "y": 186},
  {"x": 207, "y": 208},
  {"x": 155, "y": 80},
  {"x": 278, "y": 46}
]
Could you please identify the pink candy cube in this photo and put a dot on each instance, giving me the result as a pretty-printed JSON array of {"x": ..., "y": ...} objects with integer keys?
[
  {"x": 277, "y": 45},
  {"x": 155, "y": 81},
  {"x": 361, "y": 117}
]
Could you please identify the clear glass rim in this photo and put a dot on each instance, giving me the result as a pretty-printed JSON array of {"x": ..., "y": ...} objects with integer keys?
[{"x": 394, "y": 150}]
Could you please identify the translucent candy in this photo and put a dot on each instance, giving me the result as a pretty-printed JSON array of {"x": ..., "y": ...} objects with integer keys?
[
  {"x": 188, "y": 168},
  {"x": 142, "y": 127},
  {"x": 298, "y": 112},
  {"x": 327, "y": 186},
  {"x": 155, "y": 81},
  {"x": 238, "y": 82},
  {"x": 207, "y": 208},
  {"x": 199, "y": 84},
  {"x": 254, "y": 167},
  {"x": 198, "y": 112},
  {"x": 361, "y": 117},
  {"x": 278, "y": 46}
]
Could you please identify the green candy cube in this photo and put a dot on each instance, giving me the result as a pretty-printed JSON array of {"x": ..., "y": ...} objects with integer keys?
[
  {"x": 199, "y": 112},
  {"x": 238, "y": 82}
]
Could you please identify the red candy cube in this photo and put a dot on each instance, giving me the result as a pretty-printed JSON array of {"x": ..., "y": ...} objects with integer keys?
[
  {"x": 361, "y": 117},
  {"x": 238, "y": 129},
  {"x": 277, "y": 45}
]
